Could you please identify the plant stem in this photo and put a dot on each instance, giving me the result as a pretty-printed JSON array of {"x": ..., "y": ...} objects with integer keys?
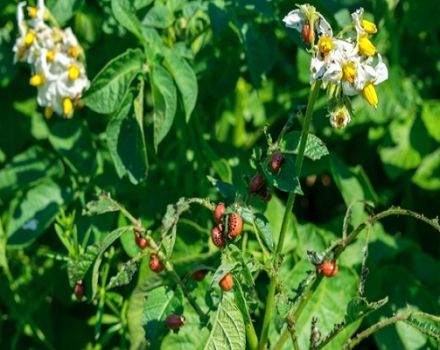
[
  {"x": 339, "y": 246},
  {"x": 287, "y": 213},
  {"x": 154, "y": 247}
]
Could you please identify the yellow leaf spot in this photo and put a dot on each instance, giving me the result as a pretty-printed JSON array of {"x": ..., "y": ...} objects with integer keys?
[{"x": 369, "y": 93}]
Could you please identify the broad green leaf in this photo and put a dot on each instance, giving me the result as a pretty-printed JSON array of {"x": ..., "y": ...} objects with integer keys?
[
  {"x": 159, "y": 16},
  {"x": 228, "y": 330},
  {"x": 427, "y": 175},
  {"x": 315, "y": 148},
  {"x": 429, "y": 326},
  {"x": 165, "y": 103},
  {"x": 405, "y": 146},
  {"x": 27, "y": 167},
  {"x": 286, "y": 179},
  {"x": 110, "y": 85},
  {"x": 360, "y": 307},
  {"x": 126, "y": 143},
  {"x": 125, "y": 14},
  {"x": 103, "y": 204},
  {"x": 159, "y": 303},
  {"x": 63, "y": 10},
  {"x": 354, "y": 186},
  {"x": 431, "y": 118},
  {"x": 186, "y": 81},
  {"x": 71, "y": 138},
  {"x": 36, "y": 211},
  {"x": 124, "y": 275},
  {"x": 261, "y": 47}
]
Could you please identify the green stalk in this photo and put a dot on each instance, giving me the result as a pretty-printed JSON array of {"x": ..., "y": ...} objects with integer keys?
[{"x": 287, "y": 213}]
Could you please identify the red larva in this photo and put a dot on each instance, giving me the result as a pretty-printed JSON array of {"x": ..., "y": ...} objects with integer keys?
[
  {"x": 328, "y": 268},
  {"x": 307, "y": 33},
  {"x": 276, "y": 161},
  {"x": 199, "y": 275},
  {"x": 256, "y": 183},
  {"x": 174, "y": 322},
  {"x": 219, "y": 212},
  {"x": 235, "y": 225},
  {"x": 155, "y": 264},
  {"x": 78, "y": 290},
  {"x": 217, "y": 236},
  {"x": 226, "y": 283}
]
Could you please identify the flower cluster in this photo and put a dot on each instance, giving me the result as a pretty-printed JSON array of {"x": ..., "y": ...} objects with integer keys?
[
  {"x": 345, "y": 66},
  {"x": 56, "y": 61}
]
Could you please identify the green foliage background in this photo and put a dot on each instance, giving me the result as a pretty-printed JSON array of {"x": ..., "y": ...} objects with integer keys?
[{"x": 164, "y": 137}]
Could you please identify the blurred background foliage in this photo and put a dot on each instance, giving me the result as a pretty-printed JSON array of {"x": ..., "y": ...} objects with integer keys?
[{"x": 252, "y": 72}]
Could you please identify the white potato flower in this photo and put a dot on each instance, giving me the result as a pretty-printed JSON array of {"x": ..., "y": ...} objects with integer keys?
[
  {"x": 55, "y": 57},
  {"x": 346, "y": 65}
]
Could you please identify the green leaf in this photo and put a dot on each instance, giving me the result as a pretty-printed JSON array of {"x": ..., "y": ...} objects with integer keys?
[
  {"x": 261, "y": 47},
  {"x": 159, "y": 16},
  {"x": 427, "y": 175},
  {"x": 102, "y": 246},
  {"x": 63, "y": 10},
  {"x": 227, "y": 190},
  {"x": 103, "y": 204},
  {"x": 124, "y": 275},
  {"x": 71, "y": 138},
  {"x": 286, "y": 179},
  {"x": 228, "y": 331},
  {"x": 125, "y": 14},
  {"x": 264, "y": 228},
  {"x": 36, "y": 211},
  {"x": 405, "y": 146},
  {"x": 315, "y": 148},
  {"x": 110, "y": 85},
  {"x": 159, "y": 303},
  {"x": 185, "y": 79},
  {"x": 359, "y": 307},
  {"x": 126, "y": 143},
  {"x": 429, "y": 326},
  {"x": 77, "y": 267},
  {"x": 165, "y": 103},
  {"x": 431, "y": 118},
  {"x": 27, "y": 167}
]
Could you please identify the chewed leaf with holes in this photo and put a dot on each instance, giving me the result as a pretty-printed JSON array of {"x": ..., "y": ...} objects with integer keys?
[{"x": 228, "y": 332}]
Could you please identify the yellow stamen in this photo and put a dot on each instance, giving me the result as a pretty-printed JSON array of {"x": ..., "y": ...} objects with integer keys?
[
  {"x": 67, "y": 107},
  {"x": 349, "y": 72},
  {"x": 369, "y": 93},
  {"x": 57, "y": 35},
  {"x": 325, "y": 44},
  {"x": 73, "y": 51},
  {"x": 50, "y": 56},
  {"x": 369, "y": 26},
  {"x": 32, "y": 11},
  {"x": 29, "y": 38},
  {"x": 48, "y": 112},
  {"x": 73, "y": 72},
  {"x": 36, "y": 80},
  {"x": 366, "y": 47}
]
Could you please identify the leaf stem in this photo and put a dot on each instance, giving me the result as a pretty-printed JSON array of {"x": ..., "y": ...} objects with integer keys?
[
  {"x": 338, "y": 247},
  {"x": 287, "y": 213}
]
